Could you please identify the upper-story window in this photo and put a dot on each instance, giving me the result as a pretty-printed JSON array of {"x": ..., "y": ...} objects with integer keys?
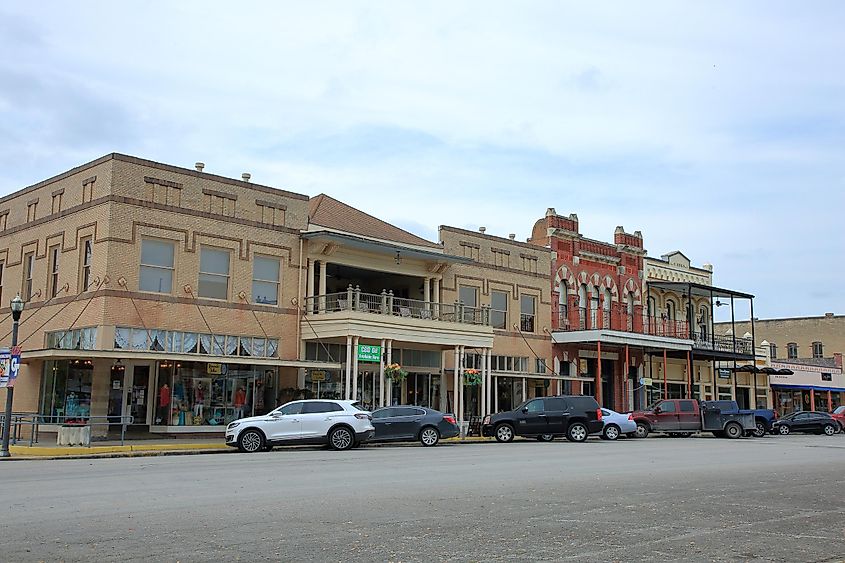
[
  {"x": 265, "y": 280},
  {"x": 28, "y": 267},
  {"x": 818, "y": 350},
  {"x": 773, "y": 350},
  {"x": 527, "y": 309},
  {"x": 31, "y": 207},
  {"x": 499, "y": 309},
  {"x": 53, "y": 280},
  {"x": 469, "y": 297},
  {"x": 792, "y": 350},
  {"x": 214, "y": 273},
  {"x": 670, "y": 310},
  {"x": 2, "y": 267},
  {"x": 86, "y": 254},
  {"x": 157, "y": 258}
]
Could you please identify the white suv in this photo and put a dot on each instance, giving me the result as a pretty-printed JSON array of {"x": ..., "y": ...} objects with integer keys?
[{"x": 341, "y": 424}]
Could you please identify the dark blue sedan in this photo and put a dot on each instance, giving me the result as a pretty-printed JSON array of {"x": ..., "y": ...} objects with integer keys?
[{"x": 409, "y": 424}]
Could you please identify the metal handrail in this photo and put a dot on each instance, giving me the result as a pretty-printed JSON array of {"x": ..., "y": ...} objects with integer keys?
[{"x": 36, "y": 420}]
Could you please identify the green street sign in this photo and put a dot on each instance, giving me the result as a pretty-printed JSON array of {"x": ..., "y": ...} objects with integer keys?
[{"x": 368, "y": 353}]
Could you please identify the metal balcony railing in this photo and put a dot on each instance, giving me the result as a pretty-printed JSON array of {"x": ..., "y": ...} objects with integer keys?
[
  {"x": 385, "y": 303},
  {"x": 526, "y": 322}
]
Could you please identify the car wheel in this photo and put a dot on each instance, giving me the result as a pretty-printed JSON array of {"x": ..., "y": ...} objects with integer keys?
[
  {"x": 251, "y": 441},
  {"x": 504, "y": 433},
  {"x": 611, "y": 432},
  {"x": 829, "y": 430},
  {"x": 429, "y": 436},
  {"x": 546, "y": 437},
  {"x": 783, "y": 430},
  {"x": 642, "y": 430},
  {"x": 733, "y": 430},
  {"x": 341, "y": 438},
  {"x": 577, "y": 432},
  {"x": 759, "y": 429}
]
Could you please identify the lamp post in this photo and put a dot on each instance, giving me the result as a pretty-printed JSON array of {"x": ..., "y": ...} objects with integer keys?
[{"x": 17, "y": 308}]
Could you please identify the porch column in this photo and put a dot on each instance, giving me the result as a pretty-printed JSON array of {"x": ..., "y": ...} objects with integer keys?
[
  {"x": 309, "y": 291},
  {"x": 435, "y": 297},
  {"x": 483, "y": 396},
  {"x": 496, "y": 393},
  {"x": 665, "y": 383},
  {"x": 489, "y": 363},
  {"x": 598, "y": 392},
  {"x": 427, "y": 292},
  {"x": 381, "y": 378},
  {"x": 443, "y": 388},
  {"x": 455, "y": 383},
  {"x": 829, "y": 401},
  {"x": 389, "y": 387},
  {"x": 524, "y": 390},
  {"x": 627, "y": 379},
  {"x": 461, "y": 385},
  {"x": 323, "y": 287},
  {"x": 689, "y": 378},
  {"x": 346, "y": 379},
  {"x": 355, "y": 368}
]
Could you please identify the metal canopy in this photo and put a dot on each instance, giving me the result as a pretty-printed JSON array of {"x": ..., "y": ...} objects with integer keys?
[
  {"x": 383, "y": 247},
  {"x": 699, "y": 289}
]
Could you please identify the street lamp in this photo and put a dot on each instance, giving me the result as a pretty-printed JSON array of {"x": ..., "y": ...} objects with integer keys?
[{"x": 17, "y": 308}]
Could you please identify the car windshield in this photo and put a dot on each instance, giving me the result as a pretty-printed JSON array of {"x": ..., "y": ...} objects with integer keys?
[
  {"x": 358, "y": 406},
  {"x": 839, "y": 410}
]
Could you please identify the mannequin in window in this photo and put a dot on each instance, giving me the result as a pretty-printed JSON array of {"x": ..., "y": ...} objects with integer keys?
[
  {"x": 239, "y": 402},
  {"x": 199, "y": 399},
  {"x": 163, "y": 404}
]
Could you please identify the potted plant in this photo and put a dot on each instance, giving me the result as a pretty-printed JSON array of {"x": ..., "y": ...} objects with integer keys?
[
  {"x": 395, "y": 373},
  {"x": 472, "y": 377}
]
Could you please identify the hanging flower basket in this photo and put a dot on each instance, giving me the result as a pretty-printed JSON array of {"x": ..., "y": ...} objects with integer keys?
[
  {"x": 472, "y": 377},
  {"x": 395, "y": 373}
]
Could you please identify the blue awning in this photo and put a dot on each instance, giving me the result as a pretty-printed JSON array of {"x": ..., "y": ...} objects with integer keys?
[{"x": 808, "y": 387}]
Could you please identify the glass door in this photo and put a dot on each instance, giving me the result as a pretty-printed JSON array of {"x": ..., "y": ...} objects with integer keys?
[{"x": 136, "y": 393}]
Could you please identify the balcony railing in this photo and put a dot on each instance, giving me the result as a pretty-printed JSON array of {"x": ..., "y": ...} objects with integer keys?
[
  {"x": 386, "y": 304},
  {"x": 526, "y": 322}
]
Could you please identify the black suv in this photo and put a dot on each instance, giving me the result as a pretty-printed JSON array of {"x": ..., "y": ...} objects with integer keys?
[{"x": 573, "y": 416}]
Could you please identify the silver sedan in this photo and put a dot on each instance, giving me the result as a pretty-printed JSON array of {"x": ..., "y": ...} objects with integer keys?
[{"x": 616, "y": 424}]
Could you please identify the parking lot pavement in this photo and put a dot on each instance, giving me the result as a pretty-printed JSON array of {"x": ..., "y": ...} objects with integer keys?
[{"x": 661, "y": 499}]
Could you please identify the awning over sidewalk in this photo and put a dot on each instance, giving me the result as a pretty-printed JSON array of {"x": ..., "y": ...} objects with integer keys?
[
  {"x": 619, "y": 338},
  {"x": 808, "y": 388}
]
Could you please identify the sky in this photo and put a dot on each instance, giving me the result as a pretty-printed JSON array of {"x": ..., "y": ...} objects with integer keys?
[{"x": 715, "y": 128}]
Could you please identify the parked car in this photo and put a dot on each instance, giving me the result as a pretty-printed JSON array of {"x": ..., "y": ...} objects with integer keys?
[
  {"x": 616, "y": 424},
  {"x": 409, "y": 424},
  {"x": 573, "y": 416},
  {"x": 684, "y": 417},
  {"x": 839, "y": 416},
  {"x": 340, "y": 424},
  {"x": 807, "y": 421}
]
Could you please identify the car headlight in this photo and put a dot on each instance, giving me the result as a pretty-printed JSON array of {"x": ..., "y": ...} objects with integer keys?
[
  {"x": 232, "y": 425},
  {"x": 486, "y": 419}
]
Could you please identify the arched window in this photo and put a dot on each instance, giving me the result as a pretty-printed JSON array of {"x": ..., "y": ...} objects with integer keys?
[
  {"x": 629, "y": 306},
  {"x": 562, "y": 302},
  {"x": 582, "y": 306},
  {"x": 773, "y": 350},
  {"x": 670, "y": 310},
  {"x": 703, "y": 322},
  {"x": 792, "y": 351},
  {"x": 818, "y": 350}
]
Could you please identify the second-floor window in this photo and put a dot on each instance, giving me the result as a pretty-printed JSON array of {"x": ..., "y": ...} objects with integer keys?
[
  {"x": 28, "y": 267},
  {"x": 53, "y": 281},
  {"x": 818, "y": 350},
  {"x": 87, "y": 250},
  {"x": 499, "y": 309},
  {"x": 156, "y": 266},
  {"x": 469, "y": 297},
  {"x": 773, "y": 350},
  {"x": 265, "y": 280},
  {"x": 214, "y": 273},
  {"x": 527, "y": 310},
  {"x": 792, "y": 350}
]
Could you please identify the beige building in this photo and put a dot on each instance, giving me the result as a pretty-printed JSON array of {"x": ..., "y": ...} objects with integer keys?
[
  {"x": 152, "y": 291},
  {"x": 797, "y": 337}
]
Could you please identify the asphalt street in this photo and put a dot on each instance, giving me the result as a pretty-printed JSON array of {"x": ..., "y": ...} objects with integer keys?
[{"x": 659, "y": 499}]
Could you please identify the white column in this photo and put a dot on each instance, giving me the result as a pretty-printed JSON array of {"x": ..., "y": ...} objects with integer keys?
[
  {"x": 496, "y": 394},
  {"x": 389, "y": 389},
  {"x": 524, "y": 390},
  {"x": 436, "y": 297},
  {"x": 381, "y": 378},
  {"x": 309, "y": 291},
  {"x": 443, "y": 388},
  {"x": 455, "y": 382},
  {"x": 461, "y": 384},
  {"x": 483, "y": 397},
  {"x": 348, "y": 367},
  {"x": 427, "y": 291},
  {"x": 355, "y": 341},
  {"x": 489, "y": 377},
  {"x": 323, "y": 288}
]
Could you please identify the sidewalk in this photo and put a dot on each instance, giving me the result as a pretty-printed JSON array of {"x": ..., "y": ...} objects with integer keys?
[{"x": 138, "y": 448}]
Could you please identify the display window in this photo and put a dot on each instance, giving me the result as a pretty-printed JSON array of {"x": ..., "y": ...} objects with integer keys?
[
  {"x": 66, "y": 391},
  {"x": 212, "y": 394}
]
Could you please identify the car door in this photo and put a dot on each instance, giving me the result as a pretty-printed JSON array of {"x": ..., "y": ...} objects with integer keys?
[
  {"x": 284, "y": 423},
  {"x": 688, "y": 418},
  {"x": 801, "y": 422},
  {"x": 317, "y": 418},
  {"x": 667, "y": 417},
  {"x": 557, "y": 415},
  {"x": 383, "y": 423},
  {"x": 532, "y": 418},
  {"x": 406, "y": 421}
]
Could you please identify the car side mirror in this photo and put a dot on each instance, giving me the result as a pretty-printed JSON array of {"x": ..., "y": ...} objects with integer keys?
[
  {"x": 525, "y": 410},
  {"x": 656, "y": 410}
]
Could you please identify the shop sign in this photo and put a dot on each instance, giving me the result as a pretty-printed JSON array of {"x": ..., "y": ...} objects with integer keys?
[
  {"x": 369, "y": 353},
  {"x": 318, "y": 376},
  {"x": 582, "y": 366},
  {"x": 216, "y": 369},
  {"x": 10, "y": 362},
  {"x": 646, "y": 381},
  {"x": 724, "y": 373}
]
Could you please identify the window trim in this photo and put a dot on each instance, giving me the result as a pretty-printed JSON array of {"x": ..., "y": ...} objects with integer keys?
[
  {"x": 53, "y": 254},
  {"x": 85, "y": 244},
  {"x": 820, "y": 352},
  {"x": 792, "y": 350},
  {"x": 277, "y": 281},
  {"x": 28, "y": 271},
  {"x": 504, "y": 312},
  {"x": 227, "y": 275}
]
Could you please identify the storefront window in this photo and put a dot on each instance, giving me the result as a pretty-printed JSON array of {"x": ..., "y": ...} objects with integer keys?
[
  {"x": 423, "y": 390},
  {"x": 509, "y": 391},
  {"x": 158, "y": 340},
  {"x": 324, "y": 384},
  {"x": 77, "y": 339},
  {"x": 66, "y": 393},
  {"x": 211, "y": 394}
]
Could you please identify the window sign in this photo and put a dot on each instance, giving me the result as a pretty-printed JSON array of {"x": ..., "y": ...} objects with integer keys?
[{"x": 369, "y": 353}]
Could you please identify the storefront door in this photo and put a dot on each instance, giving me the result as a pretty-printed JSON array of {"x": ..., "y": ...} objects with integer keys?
[{"x": 136, "y": 393}]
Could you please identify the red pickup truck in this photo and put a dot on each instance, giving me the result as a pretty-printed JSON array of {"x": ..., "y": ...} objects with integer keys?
[{"x": 683, "y": 417}]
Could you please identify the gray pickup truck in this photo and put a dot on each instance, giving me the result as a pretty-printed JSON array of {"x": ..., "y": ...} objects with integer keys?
[{"x": 684, "y": 417}]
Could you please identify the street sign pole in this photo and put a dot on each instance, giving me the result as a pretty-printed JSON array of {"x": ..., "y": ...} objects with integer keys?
[{"x": 17, "y": 309}]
